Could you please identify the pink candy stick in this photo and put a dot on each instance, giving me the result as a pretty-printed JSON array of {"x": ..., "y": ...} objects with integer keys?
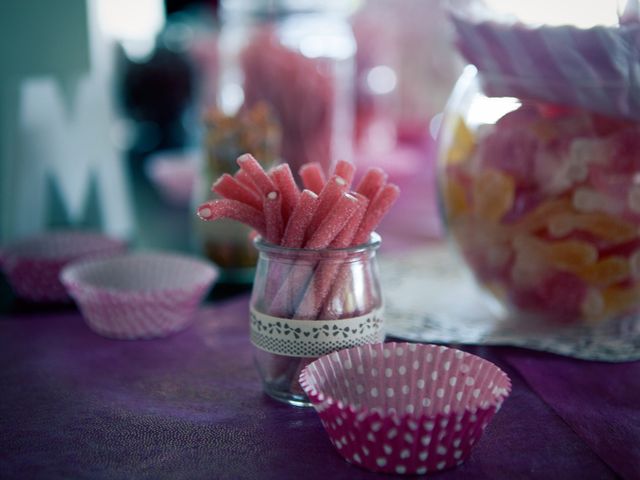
[
  {"x": 257, "y": 174},
  {"x": 327, "y": 199},
  {"x": 372, "y": 182},
  {"x": 299, "y": 220},
  {"x": 245, "y": 179},
  {"x": 312, "y": 177},
  {"x": 345, "y": 238},
  {"x": 345, "y": 170},
  {"x": 333, "y": 222},
  {"x": 228, "y": 187},
  {"x": 283, "y": 179},
  {"x": 379, "y": 206},
  {"x": 225, "y": 208},
  {"x": 273, "y": 217},
  {"x": 326, "y": 274}
]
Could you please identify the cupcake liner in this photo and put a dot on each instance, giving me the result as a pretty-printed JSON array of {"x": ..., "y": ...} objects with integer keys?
[
  {"x": 404, "y": 408},
  {"x": 139, "y": 295},
  {"x": 587, "y": 68},
  {"x": 33, "y": 265}
]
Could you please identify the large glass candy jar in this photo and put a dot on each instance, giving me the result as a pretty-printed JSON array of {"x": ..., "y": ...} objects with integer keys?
[{"x": 543, "y": 200}]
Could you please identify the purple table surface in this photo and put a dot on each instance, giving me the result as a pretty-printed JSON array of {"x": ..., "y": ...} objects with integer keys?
[{"x": 76, "y": 405}]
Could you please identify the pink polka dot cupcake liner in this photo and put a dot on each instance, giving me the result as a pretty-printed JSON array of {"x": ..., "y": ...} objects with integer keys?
[
  {"x": 32, "y": 265},
  {"x": 404, "y": 408},
  {"x": 139, "y": 295}
]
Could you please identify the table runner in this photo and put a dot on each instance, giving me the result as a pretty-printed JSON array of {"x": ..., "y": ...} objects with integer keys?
[{"x": 76, "y": 405}]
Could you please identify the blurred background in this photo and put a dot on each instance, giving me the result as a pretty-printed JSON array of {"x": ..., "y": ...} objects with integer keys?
[{"x": 117, "y": 114}]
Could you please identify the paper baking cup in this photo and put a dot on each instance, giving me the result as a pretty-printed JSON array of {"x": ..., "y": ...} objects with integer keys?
[
  {"x": 143, "y": 295},
  {"x": 404, "y": 408},
  {"x": 591, "y": 68},
  {"x": 32, "y": 265}
]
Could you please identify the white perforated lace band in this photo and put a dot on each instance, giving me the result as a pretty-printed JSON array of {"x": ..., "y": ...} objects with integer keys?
[{"x": 313, "y": 338}]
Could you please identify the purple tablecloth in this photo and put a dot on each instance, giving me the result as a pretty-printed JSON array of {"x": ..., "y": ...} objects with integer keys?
[{"x": 76, "y": 405}]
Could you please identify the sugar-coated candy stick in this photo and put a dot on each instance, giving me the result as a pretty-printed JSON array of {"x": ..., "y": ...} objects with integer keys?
[
  {"x": 228, "y": 187},
  {"x": 378, "y": 207},
  {"x": 333, "y": 222},
  {"x": 258, "y": 175},
  {"x": 299, "y": 220},
  {"x": 225, "y": 208},
  {"x": 372, "y": 182},
  {"x": 312, "y": 177},
  {"x": 273, "y": 217},
  {"x": 345, "y": 170},
  {"x": 245, "y": 179},
  {"x": 327, "y": 199},
  {"x": 348, "y": 232},
  {"x": 283, "y": 179}
]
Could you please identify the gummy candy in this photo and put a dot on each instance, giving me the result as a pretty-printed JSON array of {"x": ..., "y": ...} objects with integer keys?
[
  {"x": 600, "y": 224},
  {"x": 493, "y": 194},
  {"x": 462, "y": 144}
]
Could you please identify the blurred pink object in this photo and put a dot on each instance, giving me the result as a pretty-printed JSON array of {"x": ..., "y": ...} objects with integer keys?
[
  {"x": 404, "y": 408},
  {"x": 173, "y": 174},
  {"x": 595, "y": 68},
  {"x": 32, "y": 265},
  {"x": 140, "y": 295}
]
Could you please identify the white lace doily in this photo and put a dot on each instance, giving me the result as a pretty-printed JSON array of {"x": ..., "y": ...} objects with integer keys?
[{"x": 431, "y": 297}]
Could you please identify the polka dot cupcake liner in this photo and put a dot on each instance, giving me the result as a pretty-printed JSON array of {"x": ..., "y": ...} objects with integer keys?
[
  {"x": 140, "y": 295},
  {"x": 32, "y": 265},
  {"x": 404, "y": 408}
]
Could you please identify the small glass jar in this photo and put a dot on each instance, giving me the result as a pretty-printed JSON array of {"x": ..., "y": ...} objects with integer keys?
[
  {"x": 298, "y": 57},
  {"x": 308, "y": 303},
  {"x": 543, "y": 200}
]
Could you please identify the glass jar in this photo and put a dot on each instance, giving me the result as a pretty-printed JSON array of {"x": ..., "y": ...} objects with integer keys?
[
  {"x": 298, "y": 57},
  {"x": 307, "y": 303},
  {"x": 227, "y": 242},
  {"x": 543, "y": 199}
]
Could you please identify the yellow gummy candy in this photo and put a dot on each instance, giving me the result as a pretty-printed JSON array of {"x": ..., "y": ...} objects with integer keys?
[
  {"x": 606, "y": 272},
  {"x": 462, "y": 143},
  {"x": 539, "y": 216},
  {"x": 600, "y": 224},
  {"x": 455, "y": 198},
  {"x": 569, "y": 255},
  {"x": 493, "y": 194},
  {"x": 618, "y": 300}
]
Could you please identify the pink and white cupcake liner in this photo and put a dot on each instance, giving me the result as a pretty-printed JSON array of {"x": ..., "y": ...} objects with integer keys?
[
  {"x": 590, "y": 68},
  {"x": 32, "y": 265},
  {"x": 404, "y": 408},
  {"x": 142, "y": 295}
]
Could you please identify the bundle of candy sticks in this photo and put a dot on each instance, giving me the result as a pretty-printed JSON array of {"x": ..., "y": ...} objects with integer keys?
[{"x": 326, "y": 214}]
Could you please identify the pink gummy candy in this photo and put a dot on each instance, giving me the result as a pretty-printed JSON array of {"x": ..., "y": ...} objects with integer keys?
[
  {"x": 257, "y": 174},
  {"x": 378, "y": 208},
  {"x": 312, "y": 177},
  {"x": 333, "y": 222},
  {"x": 245, "y": 179},
  {"x": 283, "y": 179},
  {"x": 345, "y": 170},
  {"x": 348, "y": 232},
  {"x": 225, "y": 208},
  {"x": 327, "y": 199},
  {"x": 299, "y": 220},
  {"x": 228, "y": 187},
  {"x": 273, "y": 217},
  {"x": 372, "y": 182}
]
